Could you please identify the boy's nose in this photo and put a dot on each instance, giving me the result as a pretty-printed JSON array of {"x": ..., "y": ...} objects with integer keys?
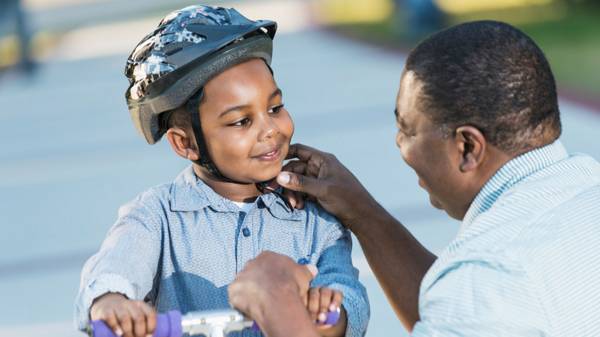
[{"x": 269, "y": 129}]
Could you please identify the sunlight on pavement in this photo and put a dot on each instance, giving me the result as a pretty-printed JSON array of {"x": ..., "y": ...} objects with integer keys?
[
  {"x": 98, "y": 41},
  {"x": 36, "y": 5}
]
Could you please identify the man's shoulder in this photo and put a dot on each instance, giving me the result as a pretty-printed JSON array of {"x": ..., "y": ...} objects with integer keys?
[
  {"x": 550, "y": 251},
  {"x": 533, "y": 227},
  {"x": 528, "y": 208},
  {"x": 555, "y": 184}
]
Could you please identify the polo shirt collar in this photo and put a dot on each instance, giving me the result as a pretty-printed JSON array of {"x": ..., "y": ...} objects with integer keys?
[
  {"x": 188, "y": 193},
  {"x": 509, "y": 175}
]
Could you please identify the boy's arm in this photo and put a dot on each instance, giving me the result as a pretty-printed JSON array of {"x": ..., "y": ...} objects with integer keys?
[
  {"x": 126, "y": 263},
  {"x": 337, "y": 272}
]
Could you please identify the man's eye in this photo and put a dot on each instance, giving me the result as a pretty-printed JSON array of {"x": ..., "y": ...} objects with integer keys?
[
  {"x": 241, "y": 122},
  {"x": 276, "y": 109}
]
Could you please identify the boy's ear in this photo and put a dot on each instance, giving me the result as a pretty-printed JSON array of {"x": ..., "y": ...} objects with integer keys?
[{"x": 182, "y": 144}]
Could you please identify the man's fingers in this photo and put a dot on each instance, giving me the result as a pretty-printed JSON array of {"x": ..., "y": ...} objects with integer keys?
[
  {"x": 302, "y": 152},
  {"x": 299, "y": 183},
  {"x": 236, "y": 301},
  {"x": 295, "y": 166},
  {"x": 296, "y": 199},
  {"x": 299, "y": 198}
]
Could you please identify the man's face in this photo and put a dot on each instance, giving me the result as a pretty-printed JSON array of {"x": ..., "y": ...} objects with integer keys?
[
  {"x": 427, "y": 150},
  {"x": 246, "y": 128}
]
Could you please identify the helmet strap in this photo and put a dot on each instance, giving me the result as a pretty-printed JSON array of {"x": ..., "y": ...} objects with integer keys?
[{"x": 205, "y": 160}]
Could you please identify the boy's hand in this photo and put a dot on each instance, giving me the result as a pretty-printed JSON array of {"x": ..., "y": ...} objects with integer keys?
[
  {"x": 320, "y": 302},
  {"x": 125, "y": 317}
]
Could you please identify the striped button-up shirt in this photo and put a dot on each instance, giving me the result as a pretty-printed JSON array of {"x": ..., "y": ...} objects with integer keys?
[
  {"x": 526, "y": 259},
  {"x": 179, "y": 245}
]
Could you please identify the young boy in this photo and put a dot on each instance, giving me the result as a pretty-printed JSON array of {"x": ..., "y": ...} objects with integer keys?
[{"x": 202, "y": 79}]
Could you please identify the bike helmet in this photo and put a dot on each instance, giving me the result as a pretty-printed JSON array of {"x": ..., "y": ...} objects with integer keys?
[{"x": 169, "y": 67}]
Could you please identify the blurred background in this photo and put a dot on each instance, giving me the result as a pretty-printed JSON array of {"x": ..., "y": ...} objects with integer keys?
[{"x": 69, "y": 155}]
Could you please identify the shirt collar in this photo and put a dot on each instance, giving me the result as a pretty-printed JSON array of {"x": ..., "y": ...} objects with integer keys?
[
  {"x": 188, "y": 193},
  {"x": 511, "y": 174}
]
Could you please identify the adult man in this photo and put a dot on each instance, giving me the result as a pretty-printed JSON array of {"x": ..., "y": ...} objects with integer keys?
[{"x": 478, "y": 121}]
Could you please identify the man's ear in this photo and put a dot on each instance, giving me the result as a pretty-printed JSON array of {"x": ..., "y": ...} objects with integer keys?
[
  {"x": 181, "y": 143},
  {"x": 471, "y": 145}
]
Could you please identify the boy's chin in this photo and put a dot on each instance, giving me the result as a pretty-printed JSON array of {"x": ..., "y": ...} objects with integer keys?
[{"x": 265, "y": 178}]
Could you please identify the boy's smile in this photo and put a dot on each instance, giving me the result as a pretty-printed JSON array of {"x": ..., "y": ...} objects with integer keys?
[
  {"x": 271, "y": 155},
  {"x": 246, "y": 128}
]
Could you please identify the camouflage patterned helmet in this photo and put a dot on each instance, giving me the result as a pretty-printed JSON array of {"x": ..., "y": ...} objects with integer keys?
[{"x": 188, "y": 48}]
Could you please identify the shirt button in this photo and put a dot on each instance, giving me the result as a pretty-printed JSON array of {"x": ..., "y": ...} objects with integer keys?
[
  {"x": 246, "y": 232},
  {"x": 303, "y": 261}
]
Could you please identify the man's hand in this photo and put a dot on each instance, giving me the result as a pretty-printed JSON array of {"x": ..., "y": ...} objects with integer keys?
[
  {"x": 272, "y": 290},
  {"x": 394, "y": 255},
  {"x": 324, "y": 178},
  {"x": 125, "y": 317}
]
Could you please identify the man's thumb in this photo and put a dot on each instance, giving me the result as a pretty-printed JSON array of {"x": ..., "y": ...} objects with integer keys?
[{"x": 297, "y": 182}]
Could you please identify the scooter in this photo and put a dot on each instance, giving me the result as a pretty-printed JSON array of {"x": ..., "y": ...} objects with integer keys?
[{"x": 212, "y": 323}]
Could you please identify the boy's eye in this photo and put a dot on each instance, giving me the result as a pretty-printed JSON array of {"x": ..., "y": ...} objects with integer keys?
[
  {"x": 241, "y": 122},
  {"x": 276, "y": 109}
]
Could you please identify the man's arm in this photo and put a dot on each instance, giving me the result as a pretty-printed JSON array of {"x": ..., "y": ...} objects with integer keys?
[{"x": 398, "y": 260}]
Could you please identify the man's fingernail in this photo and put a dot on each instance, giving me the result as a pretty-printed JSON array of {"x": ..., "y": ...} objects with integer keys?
[
  {"x": 322, "y": 317},
  {"x": 119, "y": 332},
  {"x": 313, "y": 269},
  {"x": 333, "y": 307},
  {"x": 283, "y": 178}
]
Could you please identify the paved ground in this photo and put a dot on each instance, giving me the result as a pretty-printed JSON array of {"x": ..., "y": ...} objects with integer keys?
[{"x": 69, "y": 157}]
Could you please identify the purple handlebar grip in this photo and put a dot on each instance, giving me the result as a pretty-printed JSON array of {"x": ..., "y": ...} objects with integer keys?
[
  {"x": 167, "y": 325},
  {"x": 332, "y": 318}
]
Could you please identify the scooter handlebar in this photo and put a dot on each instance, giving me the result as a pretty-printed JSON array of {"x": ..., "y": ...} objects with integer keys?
[
  {"x": 167, "y": 325},
  {"x": 170, "y": 325}
]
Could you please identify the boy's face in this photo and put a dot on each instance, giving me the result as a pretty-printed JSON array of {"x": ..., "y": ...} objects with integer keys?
[{"x": 246, "y": 128}]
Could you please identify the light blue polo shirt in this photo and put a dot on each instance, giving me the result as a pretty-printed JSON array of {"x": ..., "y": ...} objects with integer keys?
[{"x": 526, "y": 261}]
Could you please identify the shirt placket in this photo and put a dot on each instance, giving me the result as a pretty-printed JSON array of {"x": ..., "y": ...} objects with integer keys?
[{"x": 245, "y": 242}]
